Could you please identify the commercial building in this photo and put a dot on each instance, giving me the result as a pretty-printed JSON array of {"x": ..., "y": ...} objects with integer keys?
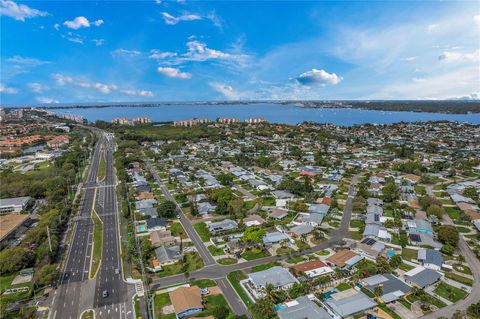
[
  {"x": 191, "y": 122},
  {"x": 13, "y": 205}
]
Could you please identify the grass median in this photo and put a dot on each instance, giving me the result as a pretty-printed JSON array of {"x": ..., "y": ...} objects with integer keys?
[
  {"x": 97, "y": 244},
  {"x": 102, "y": 167}
]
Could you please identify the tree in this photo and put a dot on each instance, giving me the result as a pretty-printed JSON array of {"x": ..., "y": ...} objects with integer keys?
[
  {"x": 47, "y": 275},
  {"x": 395, "y": 261},
  {"x": 378, "y": 291},
  {"x": 236, "y": 207},
  {"x": 299, "y": 289},
  {"x": 474, "y": 310},
  {"x": 166, "y": 209},
  {"x": 448, "y": 235},
  {"x": 426, "y": 201},
  {"x": 225, "y": 179},
  {"x": 264, "y": 308},
  {"x": 15, "y": 259},
  {"x": 253, "y": 235},
  {"x": 390, "y": 191},
  {"x": 471, "y": 192},
  {"x": 435, "y": 210}
]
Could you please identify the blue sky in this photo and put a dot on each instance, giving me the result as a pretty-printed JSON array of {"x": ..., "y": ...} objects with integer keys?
[{"x": 73, "y": 52}]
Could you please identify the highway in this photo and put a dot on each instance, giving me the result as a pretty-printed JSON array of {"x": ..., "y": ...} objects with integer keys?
[
  {"x": 71, "y": 295},
  {"x": 76, "y": 292},
  {"x": 109, "y": 277}
]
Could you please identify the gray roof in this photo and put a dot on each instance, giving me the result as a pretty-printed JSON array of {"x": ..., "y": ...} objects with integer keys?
[
  {"x": 277, "y": 276},
  {"x": 168, "y": 254},
  {"x": 304, "y": 309},
  {"x": 282, "y": 194},
  {"x": 223, "y": 225},
  {"x": 274, "y": 237},
  {"x": 313, "y": 218},
  {"x": 301, "y": 229},
  {"x": 393, "y": 288},
  {"x": 156, "y": 222},
  {"x": 430, "y": 256},
  {"x": 319, "y": 209},
  {"x": 16, "y": 201},
  {"x": 422, "y": 277},
  {"x": 351, "y": 305}
]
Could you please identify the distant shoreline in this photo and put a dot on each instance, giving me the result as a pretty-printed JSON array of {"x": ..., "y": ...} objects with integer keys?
[{"x": 443, "y": 106}]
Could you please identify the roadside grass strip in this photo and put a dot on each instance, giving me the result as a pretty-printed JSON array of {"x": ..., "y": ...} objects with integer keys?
[
  {"x": 102, "y": 167},
  {"x": 96, "y": 254}
]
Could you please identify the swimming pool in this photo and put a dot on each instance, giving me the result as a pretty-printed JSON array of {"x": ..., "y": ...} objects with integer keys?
[
  {"x": 141, "y": 227},
  {"x": 391, "y": 253},
  {"x": 278, "y": 307}
]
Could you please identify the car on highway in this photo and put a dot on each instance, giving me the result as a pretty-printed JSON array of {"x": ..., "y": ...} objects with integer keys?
[{"x": 105, "y": 294}]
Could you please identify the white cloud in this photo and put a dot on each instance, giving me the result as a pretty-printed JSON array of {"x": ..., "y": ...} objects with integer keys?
[
  {"x": 98, "y": 42},
  {"x": 432, "y": 27},
  {"x": 26, "y": 61},
  {"x": 418, "y": 80},
  {"x": 46, "y": 100},
  {"x": 64, "y": 80},
  {"x": 19, "y": 11},
  {"x": 81, "y": 22},
  {"x": 476, "y": 19},
  {"x": 226, "y": 90},
  {"x": 198, "y": 51},
  {"x": 37, "y": 87},
  {"x": 460, "y": 56},
  {"x": 75, "y": 40},
  {"x": 173, "y": 73},
  {"x": 7, "y": 90},
  {"x": 171, "y": 20},
  {"x": 318, "y": 78},
  {"x": 159, "y": 55},
  {"x": 125, "y": 52},
  {"x": 409, "y": 58},
  {"x": 56, "y": 26}
]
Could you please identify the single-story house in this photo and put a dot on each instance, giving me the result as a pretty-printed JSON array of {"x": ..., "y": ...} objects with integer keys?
[
  {"x": 275, "y": 238},
  {"x": 162, "y": 237},
  {"x": 313, "y": 219},
  {"x": 278, "y": 276},
  {"x": 277, "y": 213},
  {"x": 312, "y": 269},
  {"x": 206, "y": 208},
  {"x": 370, "y": 248},
  {"x": 421, "y": 239},
  {"x": 430, "y": 258},
  {"x": 392, "y": 287},
  {"x": 300, "y": 230},
  {"x": 375, "y": 231},
  {"x": 168, "y": 255},
  {"x": 350, "y": 302},
  {"x": 420, "y": 226},
  {"x": 253, "y": 220},
  {"x": 221, "y": 226},
  {"x": 186, "y": 301},
  {"x": 344, "y": 258},
  {"x": 319, "y": 209},
  {"x": 422, "y": 277},
  {"x": 156, "y": 223},
  {"x": 302, "y": 308},
  {"x": 283, "y": 195}
]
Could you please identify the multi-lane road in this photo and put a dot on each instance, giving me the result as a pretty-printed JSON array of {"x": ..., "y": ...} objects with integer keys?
[{"x": 106, "y": 293}]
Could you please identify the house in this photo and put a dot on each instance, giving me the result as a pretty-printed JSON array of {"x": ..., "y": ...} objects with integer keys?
[
  {"x": 275, "y": 238},
  {"x": 162, "y": 237},
  {"x": 430, "y": 258},
  {"x": 313, "y": 219},
  {"x": 13, "y": 205},
  {"x": 253, "y": 220},
  {"x": 283, "y": 195},
  {"x": 349, "y": 303},
  {"x": 369, "y": 248},
  {"x": 206, "y": 208},
  {"x": 319, "y": 209},
  {"x": 421, "y": 239},
  {"x": 312, "y": 269},
  {"x": 58, "y": 141},
  {"x": 300, "y": 230},
  {"x": 392, "y": 287},
  {"x": 278, "y": 276},
  {"x": 277, "y": 213},
  {"x": 221, "y": 226},
  {"x": 146, "y": 203},
  {"x": 377, "y": 232},
  {"x": 422, "y": 277},
  {"x": 419, "y": 226},
  {"x": 145, "y": 195},
  {"x": 302, "y": 308},
  {"x": 344, "y": 258},
  {"x": 186, "y": 301},
  {"x": 156, "y": 223},
  {"x": 168, "y": 255}
]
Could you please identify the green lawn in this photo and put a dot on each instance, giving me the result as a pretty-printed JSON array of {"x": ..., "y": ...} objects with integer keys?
[
  {"x": 454, "y": 213},
  {"x": 409, "y": 254},
  {"x": 302, "y": 245},
  {"x": 160, "y": 301},
  {"x": 102, "y": 167},
  {"x": 88, "y": 314},
  {"x": 405, "y": 303},
  {"x": 97, "y": 244},
  {"x": 431, "y": 299},
  {"x": 215, "y": 251},
  {"x": 255, "y": 253},
  {"x": 343, "y": 286},
  {"x": 405, "y": 267},
  {"x": 203, "y": 231},
  {"x": 284, "y": 250},
  {"x": 323, "y": 252},
  {"x": 211, "y": 302},
  {"x": 202, "y": 283},
  {"x": 193, "y": 260},
  {"x": 227, "y": 261},
  {"x": 295, "y": 260},
  {"x": 356, "y": 223},
  {"x": 449, "y": 292},
  {"x": 460, "y": 279},
  {"x": 463, "y": 269},
  {"x": 177, "y": 230},
  {"x": 392, "y": 313},
  {"x": 265, "y": 266},
  {"x": 234, "y": 278},
  {"x": 356, "y": 235},
  {"x": 463, "y": 230}
]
